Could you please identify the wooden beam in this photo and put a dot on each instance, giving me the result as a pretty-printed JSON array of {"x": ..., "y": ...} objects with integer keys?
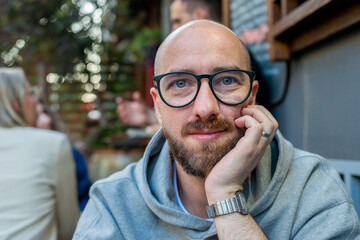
[
  {"x": 225, "y": 12},
  {"x": 307, "y": 24},
  {"x": 297, "y": 15},
  {"x": 336, "y": 23},
  {"x": 278, "y": 50},
  {"x": 287, "y": 6},
  {"x": 273, "y": 12}
]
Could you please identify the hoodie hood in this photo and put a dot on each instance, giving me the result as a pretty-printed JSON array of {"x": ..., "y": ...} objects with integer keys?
[{"x": 154, "y": 176}]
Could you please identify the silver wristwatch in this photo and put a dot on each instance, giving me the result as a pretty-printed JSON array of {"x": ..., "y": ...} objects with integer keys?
[{"x": 235, "y": 204}]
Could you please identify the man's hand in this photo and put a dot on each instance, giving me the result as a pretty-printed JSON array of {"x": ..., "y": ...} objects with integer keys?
[
  {"x": 228, "y": 176},
  {"x": 132, "y": 113}
]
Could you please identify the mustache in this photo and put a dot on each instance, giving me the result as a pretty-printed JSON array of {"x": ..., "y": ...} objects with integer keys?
[{"x": 208, "y": 124}]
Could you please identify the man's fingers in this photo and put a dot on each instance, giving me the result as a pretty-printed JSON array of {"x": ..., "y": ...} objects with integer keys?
[
  {"x": 264, "y": 117},
  {"x": 253, "y": 129},
  {"x": 258, "y": 111}
]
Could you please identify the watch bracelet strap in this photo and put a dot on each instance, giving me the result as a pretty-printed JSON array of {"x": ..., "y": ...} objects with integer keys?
[{"x": 231, "y": 205}]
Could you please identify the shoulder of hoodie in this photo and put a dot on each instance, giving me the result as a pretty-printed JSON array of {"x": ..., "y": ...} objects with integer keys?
[
  {"x": 315, "y": 160},
  {"x": 130, "y": 176},
  {"x": 305, "y": 165},
  {"x": 318, "y": 164},
  {"x": 328, "y": 190}
]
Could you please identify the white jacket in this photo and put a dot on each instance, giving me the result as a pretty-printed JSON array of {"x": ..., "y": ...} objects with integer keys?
[{"x": 37, "y": 185}]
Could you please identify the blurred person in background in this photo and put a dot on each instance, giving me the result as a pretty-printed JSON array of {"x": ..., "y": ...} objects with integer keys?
[
  {"x": 37, "y": 174},
  {"x": 184, "y": 11},
  {"x": 136, "y": 113},
  {"x": 47, "y": 119}
]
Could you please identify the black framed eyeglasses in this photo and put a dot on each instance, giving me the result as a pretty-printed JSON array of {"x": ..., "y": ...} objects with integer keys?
[{"x": 179, "y": 89}]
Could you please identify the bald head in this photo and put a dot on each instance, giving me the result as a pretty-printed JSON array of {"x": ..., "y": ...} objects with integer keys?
[{"x": 197, "y": 39}]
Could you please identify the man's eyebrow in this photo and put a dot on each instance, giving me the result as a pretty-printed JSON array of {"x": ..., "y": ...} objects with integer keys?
[
  {"x": 216, "y": 69},
  {"x": 181, "y": 70}
]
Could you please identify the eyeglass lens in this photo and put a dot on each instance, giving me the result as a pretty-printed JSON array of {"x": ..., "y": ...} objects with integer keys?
[{"x": 179, "y": 89}]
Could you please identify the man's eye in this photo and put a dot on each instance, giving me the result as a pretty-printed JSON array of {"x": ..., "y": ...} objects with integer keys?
[
  {"x": 180, "y": 83},
  {"x": 227, "y": 80}
]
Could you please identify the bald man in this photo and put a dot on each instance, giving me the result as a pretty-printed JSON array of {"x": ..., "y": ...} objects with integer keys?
[{"x": 218, "y": 168}]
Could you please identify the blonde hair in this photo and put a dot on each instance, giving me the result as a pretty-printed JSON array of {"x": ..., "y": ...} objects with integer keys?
[{"x": 12, "y": 89}]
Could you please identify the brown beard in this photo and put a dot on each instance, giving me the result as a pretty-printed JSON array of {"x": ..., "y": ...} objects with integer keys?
[{"x": 199, "y": 160}]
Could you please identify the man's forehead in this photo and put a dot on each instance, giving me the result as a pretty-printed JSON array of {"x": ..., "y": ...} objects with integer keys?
[
  {"x": 201, "y": 38},
  {"x": 212, "y": 69}
]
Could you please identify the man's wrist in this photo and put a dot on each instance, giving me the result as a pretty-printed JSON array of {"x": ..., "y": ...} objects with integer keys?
[
  {"x": 216, "y": 195},
  {"x": 237, "y": 203}
]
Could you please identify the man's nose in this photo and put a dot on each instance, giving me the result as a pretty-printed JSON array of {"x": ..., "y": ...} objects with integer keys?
[{"x": 206, "y": 105}]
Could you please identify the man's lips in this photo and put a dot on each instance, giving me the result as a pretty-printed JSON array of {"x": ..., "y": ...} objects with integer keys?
[
  {"x": 206, "y": 134},
  {"x": 205, "y": 131}
]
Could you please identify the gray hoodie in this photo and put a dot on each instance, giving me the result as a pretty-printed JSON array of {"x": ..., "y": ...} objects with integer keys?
[{"x": 303, "y": 197}]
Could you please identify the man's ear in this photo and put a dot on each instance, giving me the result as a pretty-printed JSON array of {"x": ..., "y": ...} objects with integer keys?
[
  {"x": 255, "y": 87},
  {"x": 156, "y": 98},
  {"x": 200, "y": 13}
]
